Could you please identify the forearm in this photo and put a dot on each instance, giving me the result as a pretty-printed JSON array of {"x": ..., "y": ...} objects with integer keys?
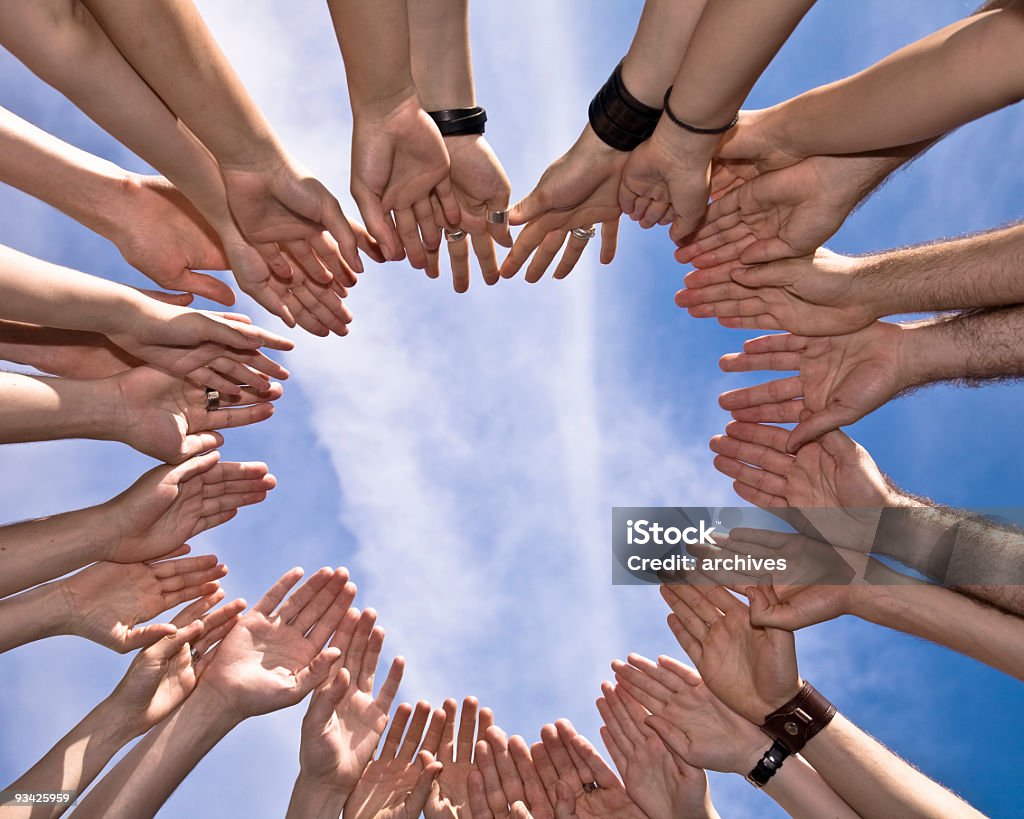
[
  {"x": 141, "y": 782},
  {"x": 36, "y": 292},
  {"x": 62, "y": 352},
  {"x": 83, "y": 186},
  {"x": 800, "y": 791},
  {"x": 944, "y": 617},
  {"x": 375, "y": 45},
  {"x": 32, "y": 615},
  {"x": 74, "y": 761},
  {"x": 964, "y": 71},
  {"x": 656, "y": 52},
  {"x": 982, "y": 270},
  {"x": 36, "y": 551},
  {"x": 169, "y": 44},
  {"x": 440, "y": 55},
  {"x": 874, "y": 781},
  {"x": 49, "y": 409},
  {"x": 64, "y": 45},
  {"x": 733, "y": 43},
  {"x": 314, "y": 800}
]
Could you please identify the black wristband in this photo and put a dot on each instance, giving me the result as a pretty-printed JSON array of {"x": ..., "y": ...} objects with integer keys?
[
  {"x": 619, "y": 118},
  {"x": 768, "y": 764},
  {"x": 459, "y": 121},
  {"x": 693, "y": 129}
]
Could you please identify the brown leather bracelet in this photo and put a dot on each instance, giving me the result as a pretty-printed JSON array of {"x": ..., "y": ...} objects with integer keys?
[{"x": 798, "y": 720}]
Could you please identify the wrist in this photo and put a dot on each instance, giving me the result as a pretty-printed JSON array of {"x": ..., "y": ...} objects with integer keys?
[
  {"x": 116, "y": 725},
  {"x": 318, "y": 797},
  {"x": 687, "y": 149},
  {"x": 213, "y": 709},
  {"x": 381, "y": 104}
]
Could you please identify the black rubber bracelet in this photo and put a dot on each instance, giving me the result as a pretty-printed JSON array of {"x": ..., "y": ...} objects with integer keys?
[
  {"x": 693, "y": 129},
  {"x": 768, "y": 764},
  {"x": 459, "y": 121},
  {"x": 618, "y": 118}
]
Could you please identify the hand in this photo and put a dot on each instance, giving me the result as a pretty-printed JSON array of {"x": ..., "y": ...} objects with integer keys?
[
  {"x": 162, "y": 235},
  {"x": 816, "y": 295},
  {"x": 106, "y": 601},
  {"x": 170, "y": 504},
  {"x": 449, "y": 795},
  {"x": 274, "y": 656},
  {"x": 752, "y": 670},
  {"x": 662, "y": 784},
  {"x": 760, "y": 137},
  {"x": 820, "y": 582},
  {"x": 220, "y": 351},
  {"x": 159, "y": 679},
  {"x": 833, "y": 482},
  {"x": 579, "y": 190},
  {"x": 779, "y": 214},
  {"x": 280, "y": 208},
  {"x": 396, "y": 785},
  {"x": 669, "y": 177},
  {"x": 562, "y": 758},
  {"x": 495, "y": 788},
  {"x": 165, "y": 416},
  {"x": 545, "y": 799},
  {"x": 480, "y": 185},
  {"x": 345, "y": 721},
  {"x": 696, "y": 725},
  {"x": 842, "y": 379},
  {"x": 399, "y": 162}
]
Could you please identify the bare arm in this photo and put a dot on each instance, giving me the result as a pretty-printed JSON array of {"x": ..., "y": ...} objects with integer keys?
[{"x": 62, "y": 352}]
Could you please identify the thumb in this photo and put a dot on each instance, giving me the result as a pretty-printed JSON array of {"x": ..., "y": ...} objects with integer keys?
[
  {"x": 200, "y": 442},
  {"x": 761, "y": 275},
  {"x": 520, "y": 811},
  {"x": 143, "y": 636},
  {"x": 316, "y": 672},
  {"x": 421, "y": 791},
  {"x": 565, "y": 801},
  {"x": 766, "y": 250},
  {"x": 209, "y": 287},
  {"x": 534, "y": 204},
  {"x": 817, "y": 424}
]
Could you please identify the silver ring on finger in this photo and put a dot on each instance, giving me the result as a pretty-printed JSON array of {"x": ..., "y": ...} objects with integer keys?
[
  {"x": 497, "y": 217},
  {"x": 454, "y": 236},
  {"x": 212, "y": 399},
  {"x": 586, "y": 234},
  {"x": 196, "y": 656},
  {"x": 590, "y": 787}
]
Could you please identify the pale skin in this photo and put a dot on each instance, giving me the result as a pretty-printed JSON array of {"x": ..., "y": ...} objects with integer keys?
[
  {"x": 449, "y": 794},
  {"x": 661, "y": 783},
  {"x": 157, "y": 230},
  {"x": 88, "y": 68},
  {"x": 158, "y": 680},
  {"x": 272, "y": 657},
  {"x": 850, "y": 503},
  {"x": 729, "y": 49},
  {"x": 750, "y": 668},
  {"x": 702, "y": 731},
  {"x": 218, "y": 350},
  {"x": 106, "y": 602},
  {"x": 824, "y": 582},
  {"x": 830, "y": 294},
  {"x": 442, "y": 70},
  {"x": 398, "y": 783},
  {"x": 581, "y": 188},
  {"x": 963, "y": 71},
  {"x": 505, "y": 784},
  {"x": 283, "y": 211},
  {"x": 345, "y": 721},
  {"x": 151, "y": 520},
  {"x": 156, "y": 413},
  {"x": 400, "y": 165}
]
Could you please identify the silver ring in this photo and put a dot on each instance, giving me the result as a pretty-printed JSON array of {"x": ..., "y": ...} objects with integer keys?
[
  {"x": 590, "y": 787},
  {"x": 497, "y": 217},
  {"x": 586, "y": 234},
  {"x": 196, "y": 656},
  {"x": 454, "y": 235},
  {"x": 212, "y": 400}
]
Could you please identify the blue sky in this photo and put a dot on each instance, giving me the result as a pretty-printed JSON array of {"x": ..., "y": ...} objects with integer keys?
[{"x": 461, "y": 453}]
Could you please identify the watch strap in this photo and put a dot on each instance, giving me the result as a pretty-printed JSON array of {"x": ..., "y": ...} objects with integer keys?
[
  {"x": 800, "y": 719},
  {"x": 767, "y": 765}
]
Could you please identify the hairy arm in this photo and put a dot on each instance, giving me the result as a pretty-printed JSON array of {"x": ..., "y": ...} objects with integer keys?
[{"x": 873, "y": 780}]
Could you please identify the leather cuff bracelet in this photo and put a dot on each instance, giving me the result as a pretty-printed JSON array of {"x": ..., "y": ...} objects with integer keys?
[
  {"x": 799, "y": 719},
  {"x": 768, "y": 764},
  {"x": 619, "y": 118},
  {"x": 459, "y": 121}
]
